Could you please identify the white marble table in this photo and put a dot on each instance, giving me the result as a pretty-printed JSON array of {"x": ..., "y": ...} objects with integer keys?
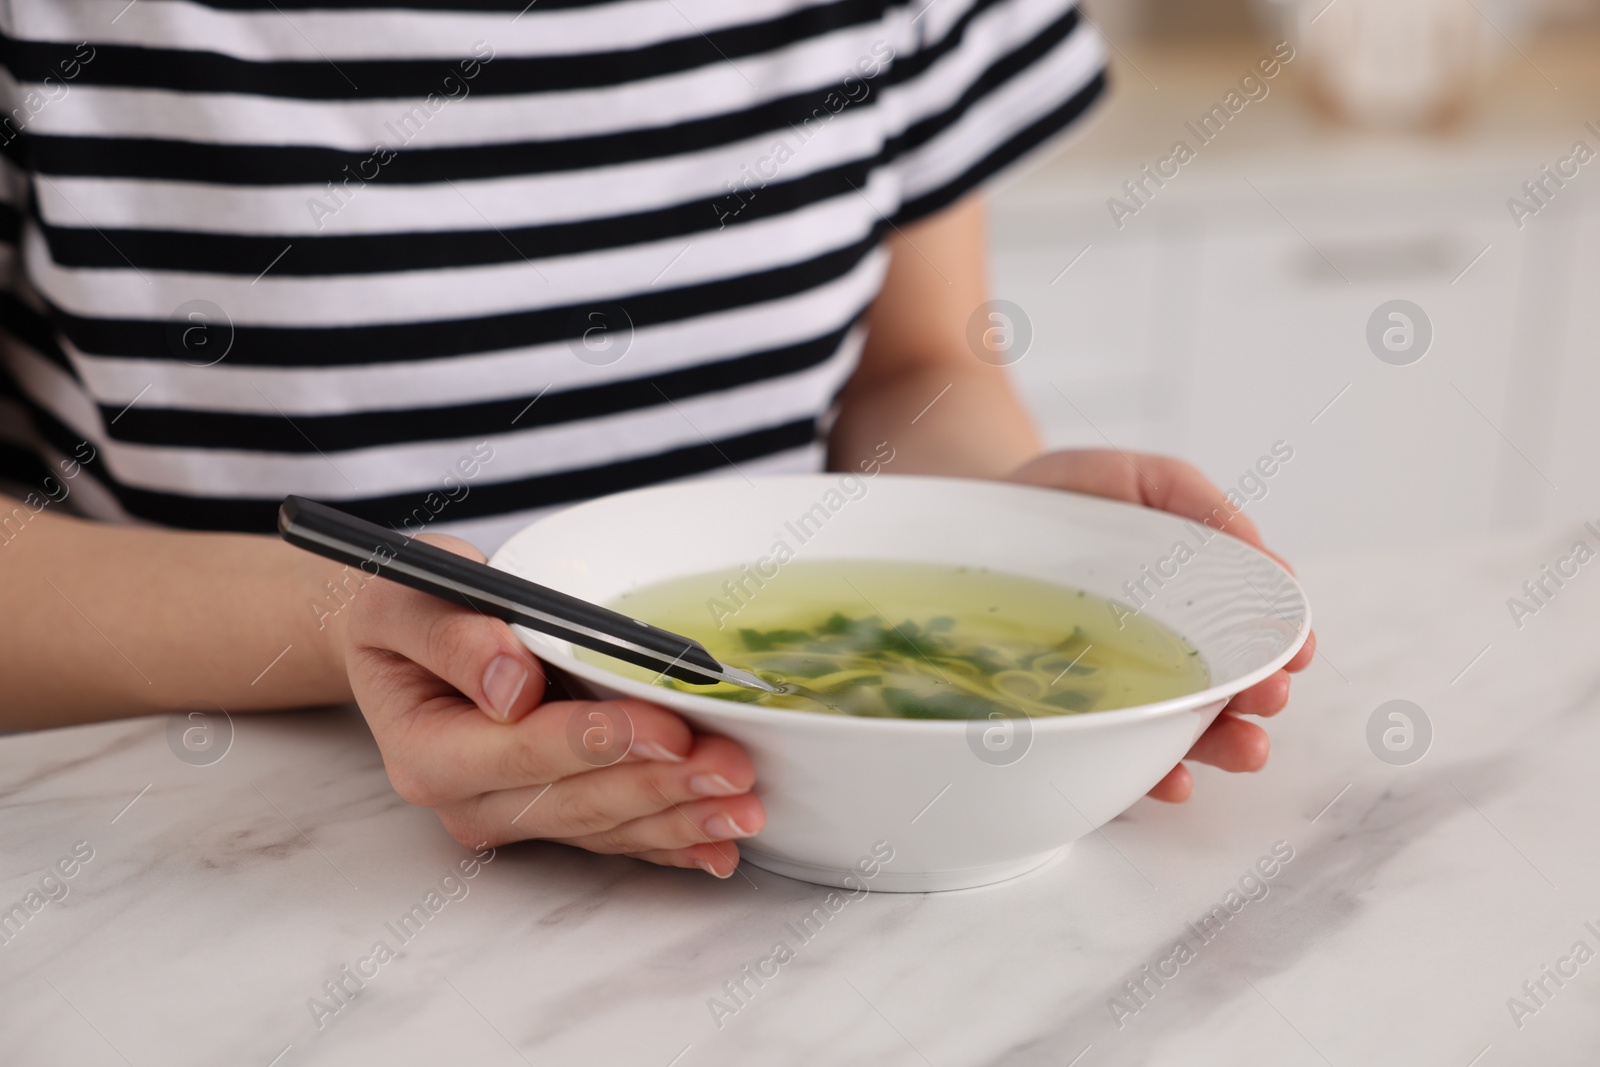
[{"x": 220, "y": 899}]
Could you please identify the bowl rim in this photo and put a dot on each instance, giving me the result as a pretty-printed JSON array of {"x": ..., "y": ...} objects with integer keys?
[{"x": 679, "y": 700}]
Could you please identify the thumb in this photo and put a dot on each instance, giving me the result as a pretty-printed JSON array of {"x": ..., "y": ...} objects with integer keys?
[{"x": 459, "y": 649}]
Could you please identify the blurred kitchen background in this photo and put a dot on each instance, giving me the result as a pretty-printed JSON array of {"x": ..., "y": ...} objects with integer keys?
[{"x": 1231, "y": 310}]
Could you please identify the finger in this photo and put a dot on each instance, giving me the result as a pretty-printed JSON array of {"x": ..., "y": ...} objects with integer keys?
[
  {"x": 717, "y": 859},
  {"x": 1175, "y": 787},
  {"x": 1178, "y": 487},
  {"x": 1302, "y": 659},
  {"x": 466, "y": 652},
  {"x": 681, "y": 825},
  {"x": 1233, "y": 745},
  {"x": 602, "y": 799},
  {"x": 440, "y": 758},
  {"x": 1155, "y": 481},
  {"x": 1175, "y": 486},
  {"x": 1266, "y": 697}
]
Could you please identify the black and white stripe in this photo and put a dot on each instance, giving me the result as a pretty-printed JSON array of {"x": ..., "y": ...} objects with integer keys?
[{"x": 597, "y": 156}]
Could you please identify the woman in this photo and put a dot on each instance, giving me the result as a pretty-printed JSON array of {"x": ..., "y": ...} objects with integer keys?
[{"x": 448, "y": 266}]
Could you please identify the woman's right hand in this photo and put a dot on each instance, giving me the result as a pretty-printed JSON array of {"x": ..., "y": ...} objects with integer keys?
[{"x": 455, "y": 702}]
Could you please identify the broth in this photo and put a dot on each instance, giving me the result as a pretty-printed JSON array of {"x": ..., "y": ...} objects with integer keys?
[{"x": 916, "y": 640}]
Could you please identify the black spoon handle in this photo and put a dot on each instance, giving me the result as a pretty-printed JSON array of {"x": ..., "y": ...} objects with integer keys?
[{"x": 430, "y": 569}]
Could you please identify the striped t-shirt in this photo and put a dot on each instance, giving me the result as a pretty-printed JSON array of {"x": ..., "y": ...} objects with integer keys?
[{"x": 449, "y": 265}]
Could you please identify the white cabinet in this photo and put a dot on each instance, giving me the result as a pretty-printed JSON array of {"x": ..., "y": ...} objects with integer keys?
[{"x": 1213, "y": 325}]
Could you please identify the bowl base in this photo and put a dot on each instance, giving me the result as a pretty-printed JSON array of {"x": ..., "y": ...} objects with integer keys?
[{"x": 888, "y": 881}]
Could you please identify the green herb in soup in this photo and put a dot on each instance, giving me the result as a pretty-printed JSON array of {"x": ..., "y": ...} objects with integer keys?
[{"x": 917, "y": 641}]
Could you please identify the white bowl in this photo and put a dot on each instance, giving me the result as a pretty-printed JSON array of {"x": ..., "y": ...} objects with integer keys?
[{"x": 960, "y": 804}]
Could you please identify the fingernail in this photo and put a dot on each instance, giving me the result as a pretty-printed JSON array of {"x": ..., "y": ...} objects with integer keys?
[
  {"x": 712, "y": 785},
  {"x": 651, "y": 750},
  {"x": 502, "y": 684},
  {"x": 721, "y": 826},
  {"x": 705, "y": 865}
]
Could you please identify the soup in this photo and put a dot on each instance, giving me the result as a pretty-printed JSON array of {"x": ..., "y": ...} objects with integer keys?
[{"x": 916, "y": 641}]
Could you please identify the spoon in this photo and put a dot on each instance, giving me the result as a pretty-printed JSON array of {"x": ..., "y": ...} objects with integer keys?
[{"x": 430, "y": 569}]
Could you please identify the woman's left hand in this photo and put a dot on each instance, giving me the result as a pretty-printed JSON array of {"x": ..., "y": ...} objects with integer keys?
[{"x": 1172, "y": 485}]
